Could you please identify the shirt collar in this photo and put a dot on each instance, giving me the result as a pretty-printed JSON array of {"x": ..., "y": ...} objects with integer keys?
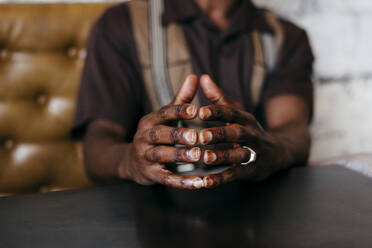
[
  {"x": 242, "y": 17},
  {"x": 180, "y": 10}
]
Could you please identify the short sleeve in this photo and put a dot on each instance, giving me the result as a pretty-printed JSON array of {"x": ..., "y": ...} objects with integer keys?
[
  {"x": 294, "y": 69},
  {"x": 110, "y": 85}
]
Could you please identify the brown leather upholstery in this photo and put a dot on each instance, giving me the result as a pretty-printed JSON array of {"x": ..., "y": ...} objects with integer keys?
[{"x": 42, "y": 47}]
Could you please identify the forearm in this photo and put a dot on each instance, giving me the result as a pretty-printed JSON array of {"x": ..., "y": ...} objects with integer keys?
[
  {"x": 105, "y": 166},
  {"x": 105, "y": 152},
  {"x": 293, "y": 144},
  {"x": 287, "y": 118}
]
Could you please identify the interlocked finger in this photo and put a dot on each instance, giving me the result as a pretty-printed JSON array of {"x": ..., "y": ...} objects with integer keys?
[
  {"x": 214, "y": 180},
  {"x": 169, "y": 113},
  {"x": 160, "y": 175},
  {"x": 187, "y": 91},
  {"x": 234, "y": 133},
  {"x": 169, "y": 154},
  {"x": 215, "y": 94},
  {"x": 226, "y": 114},
  {"x": 170, "y": 135},
  {"x": 226, "y": 157}
]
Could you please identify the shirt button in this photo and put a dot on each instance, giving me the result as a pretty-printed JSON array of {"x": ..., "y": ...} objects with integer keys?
[{"x": 41, "y": 99}]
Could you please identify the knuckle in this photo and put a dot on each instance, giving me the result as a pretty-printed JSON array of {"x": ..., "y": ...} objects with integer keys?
[
  {"x": 137, "y": 146},
  {"x": 137, "y": 136},
  {"x": 149, "y": 175},
  {"x": 152, "y": 135},
  {"x": 163, "y": 112},
  {"x": 220, "y": 133},
  {"x": 180, "y": 154},
  {"x": 225, "y": 157},
  {"x": 142, "y": 122},
  {"x": 241, "y": 132},
  {"x": 143, "y": 119},
  {"x": 155, "y": 154},
  {"x": 236, "y": 113},
  {"x": 216, "y": 110},
  {"x": 237, "y": 130},
  {"x": 174, "y": 135},
  {"x": 240, "y": 155},
  {"x": 179, "y": 110},
  {"x": 168, "y": 180}
]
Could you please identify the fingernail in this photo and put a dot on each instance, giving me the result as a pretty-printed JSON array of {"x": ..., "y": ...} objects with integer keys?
[
  {"x": 209, "y": 157},
  {"x": 206, "y": 77},
  {"x": 206, "y": 137},
  {"x": 194, "y": 154},
  {"x": 190, "y": 110},
  {"x": 190, "y": 136},
  {"x": 198, "y": 183},
  {"x": 206, "y": 113}
]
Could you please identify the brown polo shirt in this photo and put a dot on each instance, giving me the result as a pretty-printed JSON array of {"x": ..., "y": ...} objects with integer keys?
[{"x": 112, "y": 87}]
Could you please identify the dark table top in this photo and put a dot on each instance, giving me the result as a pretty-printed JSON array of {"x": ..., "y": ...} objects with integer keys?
[{"x": 304, "y": 207}]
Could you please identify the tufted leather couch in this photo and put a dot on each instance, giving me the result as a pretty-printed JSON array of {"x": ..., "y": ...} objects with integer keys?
[{"x": 42, "y": 50}]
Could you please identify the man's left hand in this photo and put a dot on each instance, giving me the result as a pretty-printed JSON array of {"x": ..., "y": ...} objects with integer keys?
[{"x": 242, "y": 129}]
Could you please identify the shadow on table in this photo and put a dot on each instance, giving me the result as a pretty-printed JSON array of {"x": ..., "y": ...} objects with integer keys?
[{"x": 233, "y": 215}]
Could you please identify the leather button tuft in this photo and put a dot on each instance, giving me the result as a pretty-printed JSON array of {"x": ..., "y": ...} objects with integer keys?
[
  {"x": 82, "y": 53},
  {"x": 8, "y": 144},
  {"x": 4, "y": 54},
  {"x": 41, "y": 98},
  {"x": 72, "y": 52}
]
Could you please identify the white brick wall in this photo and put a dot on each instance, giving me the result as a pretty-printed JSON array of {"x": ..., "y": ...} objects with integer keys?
[
  {"x": 339, "y": 30},
  {"x": 340, "y": 34}
]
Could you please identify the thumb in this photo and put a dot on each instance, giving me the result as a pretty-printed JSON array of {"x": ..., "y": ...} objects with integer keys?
[
  {"x": 215, "y": 94},
  {"x": 187, "y": 91},
  {"x": 212, "y": 91}
]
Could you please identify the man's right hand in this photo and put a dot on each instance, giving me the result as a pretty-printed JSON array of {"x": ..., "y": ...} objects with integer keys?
[{"x": 153, "y": 144}]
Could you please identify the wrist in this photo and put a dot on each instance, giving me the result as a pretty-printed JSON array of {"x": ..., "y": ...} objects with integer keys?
[
  {"x": 125, "y": 163},
  {"x": 282, "y": 155}
]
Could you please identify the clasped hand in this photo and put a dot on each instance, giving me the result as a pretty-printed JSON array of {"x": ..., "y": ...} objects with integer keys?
[{"x": 153, "y": 144}]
